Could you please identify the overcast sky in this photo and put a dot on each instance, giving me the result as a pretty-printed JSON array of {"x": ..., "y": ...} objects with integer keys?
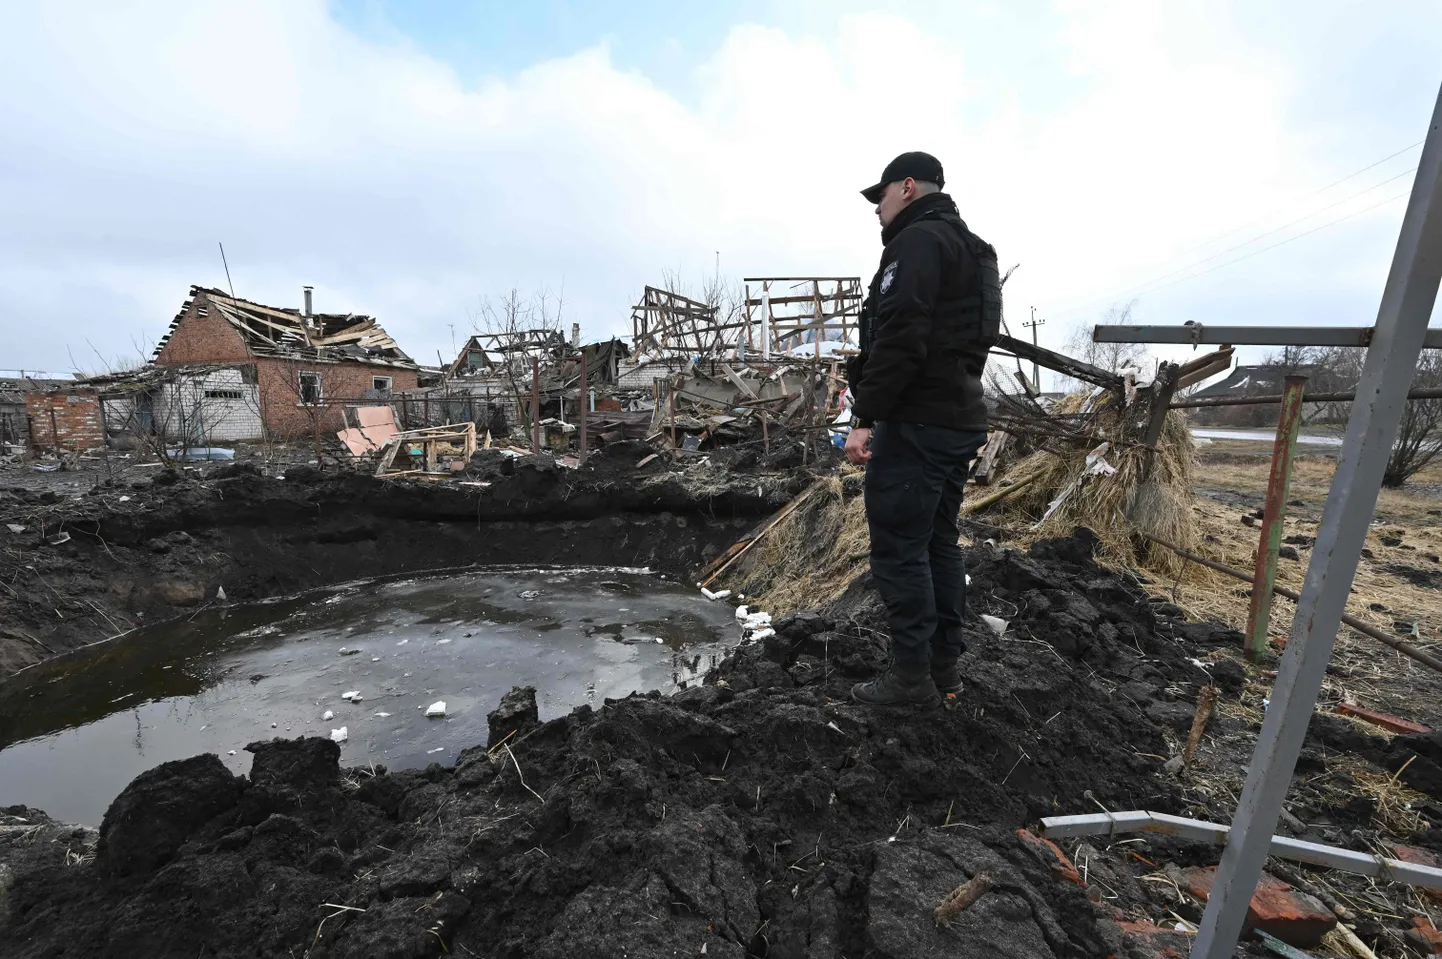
[{"x": 412, "y": 160}]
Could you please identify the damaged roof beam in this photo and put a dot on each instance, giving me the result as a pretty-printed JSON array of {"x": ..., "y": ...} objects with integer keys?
[{"x": 1059, "y": 363}]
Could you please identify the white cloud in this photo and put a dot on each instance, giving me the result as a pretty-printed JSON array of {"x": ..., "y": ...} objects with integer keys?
[{"x": 1094, "y": 146}]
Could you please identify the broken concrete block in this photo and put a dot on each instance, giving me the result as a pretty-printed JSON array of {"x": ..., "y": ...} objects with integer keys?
[
  {"x": 340, "y": 735},
  {"x": 327, "y": 716},
  {"x": 352, "y": 696},
  {"x": 997, "y": 624},
  {"x": 347, "y": 652},
  {"x": 436, "y": 710},
  {"x": 1276, "y": 909}
]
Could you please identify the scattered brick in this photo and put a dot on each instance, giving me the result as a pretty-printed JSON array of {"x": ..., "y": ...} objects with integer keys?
[
  {"x": 1276, "y": 908},
  {"x": 1061, "y": 866},
  {"x": 1425, "y": 935},
  {"x": 1420, "y": 857},
  {"x": 1391, "y": 723}
]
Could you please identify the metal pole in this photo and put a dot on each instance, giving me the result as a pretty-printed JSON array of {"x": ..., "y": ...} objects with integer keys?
[
  {"x": 1407, "y": 302},
  {"x": 581, "y": 415},
  {"x": 1194, "y": 334},
  {"x": 535, "y": 406},
  {"x": 1198, "y": 402},
  {"x": 1035, "y": 369},
  {"x": 1270, "y": 542}
]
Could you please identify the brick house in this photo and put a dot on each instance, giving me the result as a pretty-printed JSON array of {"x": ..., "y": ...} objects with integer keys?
[{"x": 308, "y": 365}]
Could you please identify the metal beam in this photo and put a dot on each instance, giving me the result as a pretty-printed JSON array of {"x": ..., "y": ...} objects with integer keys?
[
  {"x": 1195, "y": 334},
  {"x": 1198, "y": 402},
  {"x": 1397, "y": 339},
  {"x": 1198, "y": 830}
]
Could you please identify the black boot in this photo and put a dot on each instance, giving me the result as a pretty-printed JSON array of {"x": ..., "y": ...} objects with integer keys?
[
  {"x": 901, "y": 684},
  {"x": 946, "y": 675}
]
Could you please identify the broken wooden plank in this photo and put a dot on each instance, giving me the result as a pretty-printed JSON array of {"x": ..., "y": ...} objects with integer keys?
[
  {"x": 1059, "y": 363},
  {"x": 1206, "y": 703},
  {"x": 733, "y": 554},
  {"x": 987, "y": 461},
  {"x": 962, "y": 897}
]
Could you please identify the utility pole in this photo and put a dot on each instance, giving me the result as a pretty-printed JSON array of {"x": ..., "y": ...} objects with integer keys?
[{"x": 1035, "y": 370}]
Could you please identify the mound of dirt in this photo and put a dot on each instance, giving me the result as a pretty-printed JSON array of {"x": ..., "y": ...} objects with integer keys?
[
  {"x": 84, "y": 567},
  {"x": 761, "y": 813}
]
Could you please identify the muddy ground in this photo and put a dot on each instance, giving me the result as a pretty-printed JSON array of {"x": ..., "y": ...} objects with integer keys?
[
  {"x": 759, "y": 814},
  {"x": 88, "y": 564}
]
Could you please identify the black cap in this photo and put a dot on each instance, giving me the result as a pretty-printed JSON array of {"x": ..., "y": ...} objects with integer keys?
[{"x": 918, "y": 166}]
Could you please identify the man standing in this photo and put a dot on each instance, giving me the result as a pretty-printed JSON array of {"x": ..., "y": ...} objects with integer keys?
[{"x": 932, "y": 313}]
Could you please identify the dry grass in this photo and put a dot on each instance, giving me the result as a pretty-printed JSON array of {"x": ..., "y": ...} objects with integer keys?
[
  {"x": 1396, "y": 803},
  {"x": 809, "y": 558}
]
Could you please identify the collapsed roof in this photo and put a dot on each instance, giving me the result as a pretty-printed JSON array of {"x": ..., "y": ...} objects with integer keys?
[{"x": 272, "y": 331}]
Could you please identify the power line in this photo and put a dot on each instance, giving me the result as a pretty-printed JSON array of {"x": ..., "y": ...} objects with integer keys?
[
  {"x": 1263, "y": 236},
  {"x": 1274, "y": 212},
  {"x": 1281, "y": 243},
  {"x": 1150, "y": 286}
]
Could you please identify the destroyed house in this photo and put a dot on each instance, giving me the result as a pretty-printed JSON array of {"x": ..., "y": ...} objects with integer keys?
[
  {"x": 15, "y": 426},
  {"x": 307, "y": 366}
]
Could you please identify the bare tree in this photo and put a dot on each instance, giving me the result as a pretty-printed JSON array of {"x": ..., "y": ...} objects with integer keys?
[
  {"x": 1112, "y": 357},
  {"x": 1419, "y": 437},
  {"x": 522, "y": 328}
]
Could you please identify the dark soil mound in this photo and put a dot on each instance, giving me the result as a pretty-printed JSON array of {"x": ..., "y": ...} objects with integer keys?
[{"x": 760, "y": 814}]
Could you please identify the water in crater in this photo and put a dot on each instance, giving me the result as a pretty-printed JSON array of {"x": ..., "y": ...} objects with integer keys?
[{"x": 75, "y": 731}]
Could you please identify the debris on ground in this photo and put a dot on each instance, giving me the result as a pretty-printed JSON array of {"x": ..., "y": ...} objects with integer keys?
[{"x": 785, "y": 819}]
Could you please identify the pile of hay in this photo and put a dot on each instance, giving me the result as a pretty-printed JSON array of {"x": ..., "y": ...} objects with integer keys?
[
  {"x": 811, "y": 556},
  {"x": 1148, "y": 492}
]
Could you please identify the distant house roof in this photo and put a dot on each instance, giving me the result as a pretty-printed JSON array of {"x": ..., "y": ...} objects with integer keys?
[
  {"x": 488, "y": 353},
  {"x": 14, "y": 388},
  {"x": 1252, "y": 381},
  {"x": 286, "y": 332}
]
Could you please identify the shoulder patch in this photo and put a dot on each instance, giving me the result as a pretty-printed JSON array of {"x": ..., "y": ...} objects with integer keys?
[{"x": 888, "y": 275}]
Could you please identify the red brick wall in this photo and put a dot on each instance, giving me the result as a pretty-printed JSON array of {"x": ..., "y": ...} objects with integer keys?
[
  {"x": 203, "y": 339},
  {"x": 77, "y": 420},
  {"x": 341, "y": 383}
]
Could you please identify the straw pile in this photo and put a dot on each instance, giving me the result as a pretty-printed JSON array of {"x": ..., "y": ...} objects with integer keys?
[
  {"x": 1115, "y": 490},
  {"x": 812, "y": 556}
]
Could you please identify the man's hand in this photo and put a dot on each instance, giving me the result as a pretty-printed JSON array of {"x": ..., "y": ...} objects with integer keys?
[{"x": 858, "y": 446}]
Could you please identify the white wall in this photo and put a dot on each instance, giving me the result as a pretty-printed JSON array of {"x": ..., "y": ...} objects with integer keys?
[{"x": 217, "y": 406}]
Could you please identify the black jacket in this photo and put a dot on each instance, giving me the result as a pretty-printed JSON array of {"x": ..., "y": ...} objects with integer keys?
[{"x": 922, "y": 349}]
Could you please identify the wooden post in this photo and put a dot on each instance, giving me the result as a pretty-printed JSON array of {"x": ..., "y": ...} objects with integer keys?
[
  {"x": 54, "y": 432},
  {"x": 535, "y": 405},
  {"x": 1269, "y": 544},
  {"x": 585, "y": 404},
  {"x": 671, "y": 402}
]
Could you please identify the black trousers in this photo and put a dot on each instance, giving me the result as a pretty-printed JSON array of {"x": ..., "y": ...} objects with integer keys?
[{"x": 914, "y": 483}]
